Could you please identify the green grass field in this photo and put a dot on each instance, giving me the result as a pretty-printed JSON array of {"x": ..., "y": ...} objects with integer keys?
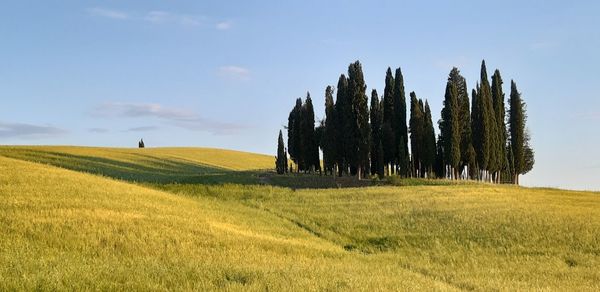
[{"x": 78, "y": 218}]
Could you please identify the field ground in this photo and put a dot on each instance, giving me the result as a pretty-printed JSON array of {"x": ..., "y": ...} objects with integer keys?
[{"x": 75, "y": 218}]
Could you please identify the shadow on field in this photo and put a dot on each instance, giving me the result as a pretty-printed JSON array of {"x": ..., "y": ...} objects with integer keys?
[
  {"x": 314, "y": 181},
  {"x": 145, "y": 169}
]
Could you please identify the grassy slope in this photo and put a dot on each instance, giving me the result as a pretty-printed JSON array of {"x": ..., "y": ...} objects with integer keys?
[
  {"x": 67, "y": 230},
  {"x": 158, "y": 165},
  {"x": 468, "y": 236},
  {"x": 149, "y": 157}
]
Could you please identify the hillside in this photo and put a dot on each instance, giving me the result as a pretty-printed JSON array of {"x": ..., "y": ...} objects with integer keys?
[
  {"x": 199, "y": 219},
  {"x": 147, "y": 164},
  {"x": 71, "y": 231}
]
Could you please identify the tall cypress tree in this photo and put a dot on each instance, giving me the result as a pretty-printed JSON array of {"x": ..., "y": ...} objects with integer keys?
[
  {"x": 467, "y": 153},
  {"x": 329, "y": 135},
  {"x": 499, "y": 113},
  {"x": 310, "y": 148},
  {"x": 390, "y": 148},
  {"x": 400, "y": 129},
  {"x": 450, "y": 128},
  {"x": 361, "y": 128},
  {"x": 489, "y": 122},
  {"x": 483, "y": 124},
  {"x": 281, "y": 161},
  {"x": 343, "y": 118},
  {"x": 477, "y": 131},
  {"x": 294, "y": 141},
  {"x": 516, "y": 122},
  {"x": 429, "y": 147},
  {"x": 416, "y": 133},
  {"x": 376, "y": 133}
]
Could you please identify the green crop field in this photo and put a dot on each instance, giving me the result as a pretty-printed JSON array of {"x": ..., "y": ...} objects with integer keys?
[{"x": 79, "y": 218}]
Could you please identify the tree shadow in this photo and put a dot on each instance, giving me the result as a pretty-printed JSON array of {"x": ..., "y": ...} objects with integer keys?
[{"x": 148, "y": 169}]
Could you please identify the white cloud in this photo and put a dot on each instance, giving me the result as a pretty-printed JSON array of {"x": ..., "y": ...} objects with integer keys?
[
  {"x": 142, "y": 129},
  {"x": 132, "y": 110},
  {"x": 160, "y": 17},
  {"x": 234, "y": 72},
  {"x": 155, "y": 16},
  {"x": 224, "y": 25},
  {"x": 108, "y": 13},
  {"x": 28, "y": 131},
  {"x": 178, "y": 117}
]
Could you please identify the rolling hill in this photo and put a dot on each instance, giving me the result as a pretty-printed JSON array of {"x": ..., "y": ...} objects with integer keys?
[{"x": 206, "y": 219}]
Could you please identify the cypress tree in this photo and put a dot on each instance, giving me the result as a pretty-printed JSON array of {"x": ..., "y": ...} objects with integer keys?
[
  {"x": 499, "y": 113},
  {"x": 429, "y": 147},
  {"x": 376, "y": 133},
  {"x": 343, "y": 118},
  {"x": 489, "y": 123},
  {"x": 467, "y": 153},
  {"x": 293, "y": 128},
  {"x": 522, "y": 153},
  {"x": 329, "y": 139},
  {"x": 390, "y": 148},
  {"x": 416, "y": 133},
  {"x": 361, "y": 128},
  {"x": 450, "y": 128},
  {"x": 399, "y": 127},
  {"x": 482, "y": 124},
  {"x": 310, "y": 147},
  {"x": 476, "y": 130},
  {"x": 281, "y": 161}
]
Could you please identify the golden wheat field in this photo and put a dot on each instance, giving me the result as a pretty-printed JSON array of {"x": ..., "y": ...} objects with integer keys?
[{"x": 84, "y": 218}]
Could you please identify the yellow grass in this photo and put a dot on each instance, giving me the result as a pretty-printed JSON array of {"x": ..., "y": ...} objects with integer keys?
[
  {"x": 63, "y": 230},
  {"x": 211, "y": 157},
  {"x": 196, "y": 224}
]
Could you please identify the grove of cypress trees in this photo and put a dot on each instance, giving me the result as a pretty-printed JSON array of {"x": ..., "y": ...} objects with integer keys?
[
  {"x": 376, "y": 134},
  {"x": 400, "y": 129},
  {"x": 359, "y": 137},
  {"x": 361, "y": 127}
]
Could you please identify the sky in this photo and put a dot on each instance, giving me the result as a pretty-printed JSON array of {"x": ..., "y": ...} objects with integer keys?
[{"x": 226, "y": 73}]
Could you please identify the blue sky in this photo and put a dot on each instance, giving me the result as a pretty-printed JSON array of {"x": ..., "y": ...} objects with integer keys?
[{"x": 225, "y": 73}]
